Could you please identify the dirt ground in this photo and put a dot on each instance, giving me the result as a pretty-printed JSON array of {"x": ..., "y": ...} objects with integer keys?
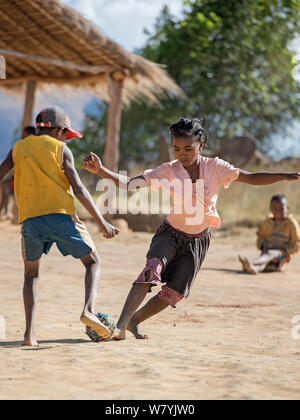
[{"x": 232, "y": 339}]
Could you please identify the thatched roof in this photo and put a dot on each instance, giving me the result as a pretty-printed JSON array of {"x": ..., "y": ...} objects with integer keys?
[{"x": 46, "y": 41}]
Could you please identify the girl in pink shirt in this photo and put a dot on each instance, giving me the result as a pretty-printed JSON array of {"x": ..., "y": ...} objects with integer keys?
[{"x": 179, "y": 247}]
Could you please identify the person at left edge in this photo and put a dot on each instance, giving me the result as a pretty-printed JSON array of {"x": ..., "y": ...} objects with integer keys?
[
  {"x": 8, "y": 183},
  {"x": 44, "y": 174}
]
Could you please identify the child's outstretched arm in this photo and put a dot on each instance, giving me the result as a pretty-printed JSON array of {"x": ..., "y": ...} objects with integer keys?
[
  {"x": 93, "y": 164},
  {"x": 6, "y": 166},
  {"x": 84, "y": 196},
  {"x": 266, "y": 178}
]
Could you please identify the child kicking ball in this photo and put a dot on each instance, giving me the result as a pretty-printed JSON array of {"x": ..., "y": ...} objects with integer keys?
[
  {"x": 44, "y": 174},
  {"x": 181, "y": 243}
]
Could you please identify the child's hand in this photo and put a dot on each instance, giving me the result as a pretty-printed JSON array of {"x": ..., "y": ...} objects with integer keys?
[
  {"x": 292, "y": 176},
  {"x": 267, "y": 246},
  {"x": 109, "y": 231},
  {"x": 92, "y": 163}
]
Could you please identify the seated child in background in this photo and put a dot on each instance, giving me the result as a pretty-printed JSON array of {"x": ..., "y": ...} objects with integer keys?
[{"x": 278, "y": 239}]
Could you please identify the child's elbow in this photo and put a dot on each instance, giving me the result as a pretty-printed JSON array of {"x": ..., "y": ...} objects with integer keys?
[
  {"x": 78, "y": 190},
  {"x": 297, "y": 246},
  {"x": 293, "y": 247}
]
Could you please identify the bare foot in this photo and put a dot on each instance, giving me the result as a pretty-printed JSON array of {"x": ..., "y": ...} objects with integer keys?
[
  {"x": 119, "y": 335},
  {"x": 242, "y": 261},
  {"x": 134, "y": 329},
  {"x": 248, "y": 267},
  {"x": 29, "y": 343},
  {"x": 93, "y": 322},
  {"x": 4, "y": 218}
]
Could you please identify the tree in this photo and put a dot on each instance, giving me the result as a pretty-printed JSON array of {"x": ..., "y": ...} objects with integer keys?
[
  {"x": 233, "y": 62},
  {"x": 136, "y": 144}
]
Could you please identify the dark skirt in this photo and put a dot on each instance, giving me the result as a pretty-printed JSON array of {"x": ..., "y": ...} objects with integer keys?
[{"x": 181, "y": 254}]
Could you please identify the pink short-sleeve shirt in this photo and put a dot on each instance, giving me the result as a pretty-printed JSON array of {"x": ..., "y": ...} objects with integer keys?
[{"x": 194, "y": 205}]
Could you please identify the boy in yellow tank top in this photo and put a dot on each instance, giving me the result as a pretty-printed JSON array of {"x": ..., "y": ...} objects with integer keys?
[{"x": 45, "y": 176}]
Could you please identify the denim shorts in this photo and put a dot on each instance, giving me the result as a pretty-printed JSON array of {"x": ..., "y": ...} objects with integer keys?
[{"x": 68, "y": 233}]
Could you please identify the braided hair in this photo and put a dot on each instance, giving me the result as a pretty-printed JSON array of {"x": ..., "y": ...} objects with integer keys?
[{"x": 186, "y": 127}]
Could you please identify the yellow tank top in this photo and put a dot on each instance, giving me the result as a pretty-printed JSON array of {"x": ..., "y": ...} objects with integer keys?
[{"x": 41, "y": 186}]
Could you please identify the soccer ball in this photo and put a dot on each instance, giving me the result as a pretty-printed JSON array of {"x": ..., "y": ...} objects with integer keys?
[{"x": 108, "y": 322}]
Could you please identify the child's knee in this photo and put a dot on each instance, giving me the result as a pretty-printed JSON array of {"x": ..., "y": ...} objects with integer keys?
[
  {"x": 146, "y": 286},
  {"x": 152, "y": 272},
  {"x": 92, "y": 259},
  {"x": 31, "y": 271},
  {"x": 97, "y": 259},
  {"x": 170, "y": 296}
]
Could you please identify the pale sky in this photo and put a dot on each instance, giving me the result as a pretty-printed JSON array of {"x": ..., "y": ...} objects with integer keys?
[{"x": 124, "y": 20}]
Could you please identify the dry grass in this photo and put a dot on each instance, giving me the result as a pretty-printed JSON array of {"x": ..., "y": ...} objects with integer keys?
[{"x": 244, "y": 205}]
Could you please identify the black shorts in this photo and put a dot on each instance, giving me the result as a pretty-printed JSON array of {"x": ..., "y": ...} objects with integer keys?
[{"x": 182, "y": 256}]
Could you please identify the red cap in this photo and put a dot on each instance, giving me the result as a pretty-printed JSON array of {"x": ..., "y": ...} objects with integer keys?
[
  {"x": 72, "y": 134},
  {"x": 56, "y": 117}
]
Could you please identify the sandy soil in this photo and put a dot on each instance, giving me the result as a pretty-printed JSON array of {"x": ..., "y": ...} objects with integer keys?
[{"x": 232, "y": 339}]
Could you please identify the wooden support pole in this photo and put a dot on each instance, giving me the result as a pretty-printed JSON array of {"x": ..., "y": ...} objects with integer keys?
[
  {"x": 27, "y": 120},
  {"x": 29, "y": 103},
  {"x": 2, "y": 68},
  {"x": 112, "y": 147}
]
